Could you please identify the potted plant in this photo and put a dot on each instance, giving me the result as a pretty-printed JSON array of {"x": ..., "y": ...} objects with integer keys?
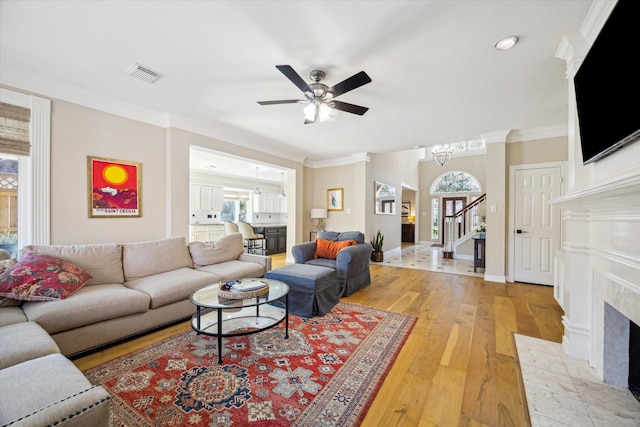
[
  {"x": 481, "y": 229},
  {"x": 376, "y": 242}
]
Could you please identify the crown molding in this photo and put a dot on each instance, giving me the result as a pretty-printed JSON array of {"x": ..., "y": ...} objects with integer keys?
[
  {"x": 50, "y": 88},
  {"x": 342, "y": 161},
  {"x": 545, "y": 132},
  {"x": 596, "y": 18},
  {"x": 223, "y": 132},
  {"x": 58, "y": 90},
  {"x": 496, "y": 136}
]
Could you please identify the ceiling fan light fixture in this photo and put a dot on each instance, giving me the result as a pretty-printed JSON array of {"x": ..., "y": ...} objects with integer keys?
[{"x": 317, "y": 111}]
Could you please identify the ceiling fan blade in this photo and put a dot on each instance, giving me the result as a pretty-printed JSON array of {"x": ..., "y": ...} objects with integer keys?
[
  {"x": 351, "y": 83},
  {"x": 282, "y": 101},
  {"x": 349, "y": 108},
  {"x": 294, "y": 77}
]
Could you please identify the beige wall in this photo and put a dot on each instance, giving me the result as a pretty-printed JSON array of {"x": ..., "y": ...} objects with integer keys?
[
  {"x": 316, "y": 196},
  {"x": 397, "y": 169},
  {"x": 78, "y": 132},
  {"x": 538, "y": 151},
  {"x": 358, "y": 180}
]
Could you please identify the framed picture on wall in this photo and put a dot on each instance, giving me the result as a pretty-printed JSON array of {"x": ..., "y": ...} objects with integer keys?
[
  {"x": 406, "y": 208},
  {"x": 114, "y": 188},
  {"x": 335, "y": 199}
]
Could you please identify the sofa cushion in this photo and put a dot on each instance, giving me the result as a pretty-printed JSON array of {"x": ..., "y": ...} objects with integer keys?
[
  {"x": 171, "y": 286},
  {"x": 329, "y": 248},
  {"x": 102, "y": 261},
  {"x": 58, "y": 394},
  {"x": 227, "y": 248},
  {"x": 24, "y": 341},
  {"x": 231, "y": 270},
  {"x": 11, "y": 315},
  {"x": 89, "y": 305},
  {"x": 38, "y": 277},
  {"x": 144, "y": 259},
  {"x": 344, "y": 235}
]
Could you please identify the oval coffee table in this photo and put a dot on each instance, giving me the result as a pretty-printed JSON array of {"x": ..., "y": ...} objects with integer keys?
[{"x": 221, "y": 317}]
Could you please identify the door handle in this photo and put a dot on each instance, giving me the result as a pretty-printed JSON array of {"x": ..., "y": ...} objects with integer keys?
[{"x": 520, "y": 231}]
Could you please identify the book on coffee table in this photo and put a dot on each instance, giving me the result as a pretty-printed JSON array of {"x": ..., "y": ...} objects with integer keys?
[{"x": 246, "y": 285}]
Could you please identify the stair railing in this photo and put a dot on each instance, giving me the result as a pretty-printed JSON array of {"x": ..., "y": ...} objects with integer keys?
[{"x": 460, "y": 224}]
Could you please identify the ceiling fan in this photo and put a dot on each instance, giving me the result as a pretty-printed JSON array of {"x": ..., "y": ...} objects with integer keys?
[{"x": 320, "y": 98}]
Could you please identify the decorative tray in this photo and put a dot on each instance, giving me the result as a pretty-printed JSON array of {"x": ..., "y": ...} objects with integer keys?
[{"x": 243, "y": 288}]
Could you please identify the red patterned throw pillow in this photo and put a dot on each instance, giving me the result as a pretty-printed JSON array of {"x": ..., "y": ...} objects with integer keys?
[{"x": 38, "y": 277}]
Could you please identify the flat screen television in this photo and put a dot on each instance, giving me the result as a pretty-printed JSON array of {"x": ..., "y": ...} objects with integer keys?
[{"x": 607, "y": 85}]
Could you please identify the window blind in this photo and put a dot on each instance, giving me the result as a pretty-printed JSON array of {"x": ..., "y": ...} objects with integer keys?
[{"x": 14, "y": 130}]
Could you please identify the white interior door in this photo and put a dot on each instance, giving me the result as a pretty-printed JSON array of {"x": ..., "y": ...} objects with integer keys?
[{"x": 537, "y": 224}]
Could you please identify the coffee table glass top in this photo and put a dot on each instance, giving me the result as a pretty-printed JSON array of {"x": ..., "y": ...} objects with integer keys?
[{"x": 208, "y": 296}]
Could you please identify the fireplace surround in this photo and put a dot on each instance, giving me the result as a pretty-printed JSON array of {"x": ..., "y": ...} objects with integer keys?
[{"x": 597, "y": 274}]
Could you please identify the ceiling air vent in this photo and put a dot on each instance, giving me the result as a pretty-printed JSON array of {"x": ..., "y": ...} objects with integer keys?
[{"x": 144, "y": 74}]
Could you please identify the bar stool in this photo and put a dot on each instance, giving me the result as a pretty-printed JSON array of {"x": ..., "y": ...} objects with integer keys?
[
  {"x": 230, "y": 227},
  {"x": 253, "y": 243}
]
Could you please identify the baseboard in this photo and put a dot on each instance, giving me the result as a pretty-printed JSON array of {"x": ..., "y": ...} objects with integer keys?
[{"x": 498, "y": 279}]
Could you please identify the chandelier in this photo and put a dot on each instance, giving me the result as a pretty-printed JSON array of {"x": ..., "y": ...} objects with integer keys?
[{"x": 442, "y": 154}]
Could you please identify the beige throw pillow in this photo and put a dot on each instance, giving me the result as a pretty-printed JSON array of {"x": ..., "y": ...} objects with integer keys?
[{"x": 227, "y": 248}]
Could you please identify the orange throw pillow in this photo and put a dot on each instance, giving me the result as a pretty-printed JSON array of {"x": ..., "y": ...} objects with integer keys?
[{"x": 329, "y": 248}]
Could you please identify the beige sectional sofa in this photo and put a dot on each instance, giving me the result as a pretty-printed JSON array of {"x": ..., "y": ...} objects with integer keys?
[{"x": 135, "y": 287}]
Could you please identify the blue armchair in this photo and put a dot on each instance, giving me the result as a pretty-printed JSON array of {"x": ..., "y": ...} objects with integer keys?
[{"x": 351, "y": 264}]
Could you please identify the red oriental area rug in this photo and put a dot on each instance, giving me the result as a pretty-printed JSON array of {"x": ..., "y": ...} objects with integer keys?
[{"x": 325, "y": 374}]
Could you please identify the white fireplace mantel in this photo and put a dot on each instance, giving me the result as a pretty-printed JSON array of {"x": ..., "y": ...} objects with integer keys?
[{"x": 599, "y": 264}]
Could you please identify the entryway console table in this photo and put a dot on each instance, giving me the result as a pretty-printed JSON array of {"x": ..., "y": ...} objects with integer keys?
[{"x": 478, "y": 253}]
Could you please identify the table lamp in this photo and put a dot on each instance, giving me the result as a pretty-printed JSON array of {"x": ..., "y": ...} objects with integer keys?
[{"x": 318, "y": 214}]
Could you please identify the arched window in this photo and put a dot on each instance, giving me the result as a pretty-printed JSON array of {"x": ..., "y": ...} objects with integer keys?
[{"x": 455, "y": 182}]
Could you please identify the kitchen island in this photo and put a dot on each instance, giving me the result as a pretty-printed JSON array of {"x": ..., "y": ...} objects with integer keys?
[{"x": 275, "y": 236}]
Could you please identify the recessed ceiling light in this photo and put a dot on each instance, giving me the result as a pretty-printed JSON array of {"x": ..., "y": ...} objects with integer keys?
[{"x": 506, "y": 43}]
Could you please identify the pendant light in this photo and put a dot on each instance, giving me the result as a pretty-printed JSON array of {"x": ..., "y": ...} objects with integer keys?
[
  {"x": 257, "y": 190},
  {"x": 282, "y": 193},
  {"x": 442, "y": 154}
]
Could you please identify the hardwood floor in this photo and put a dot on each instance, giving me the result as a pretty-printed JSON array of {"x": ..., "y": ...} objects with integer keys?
[{"x": 458, "y": 366}]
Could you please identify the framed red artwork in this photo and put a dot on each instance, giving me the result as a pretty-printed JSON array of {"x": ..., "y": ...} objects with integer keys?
[{"x": 114, "y": 188}]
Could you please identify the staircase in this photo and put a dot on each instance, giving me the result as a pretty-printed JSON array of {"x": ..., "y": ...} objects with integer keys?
[{"x": 461, "y": 226}]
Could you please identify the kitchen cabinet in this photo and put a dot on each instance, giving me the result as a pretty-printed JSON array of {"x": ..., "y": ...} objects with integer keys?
[
  {"x": 206, "y": 198},
  {"x": 269, "y": 203},
  {"x": 283, "y": 204},
  {"x": 206, "y": 232},
  {"x": 275, "y": 237}
]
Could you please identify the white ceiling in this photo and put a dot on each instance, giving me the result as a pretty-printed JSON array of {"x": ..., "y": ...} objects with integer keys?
[{"x": 436, "y": 75}]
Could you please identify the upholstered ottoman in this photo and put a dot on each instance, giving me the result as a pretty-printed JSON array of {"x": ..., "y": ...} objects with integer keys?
[{"x": 313, "y": 290}]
